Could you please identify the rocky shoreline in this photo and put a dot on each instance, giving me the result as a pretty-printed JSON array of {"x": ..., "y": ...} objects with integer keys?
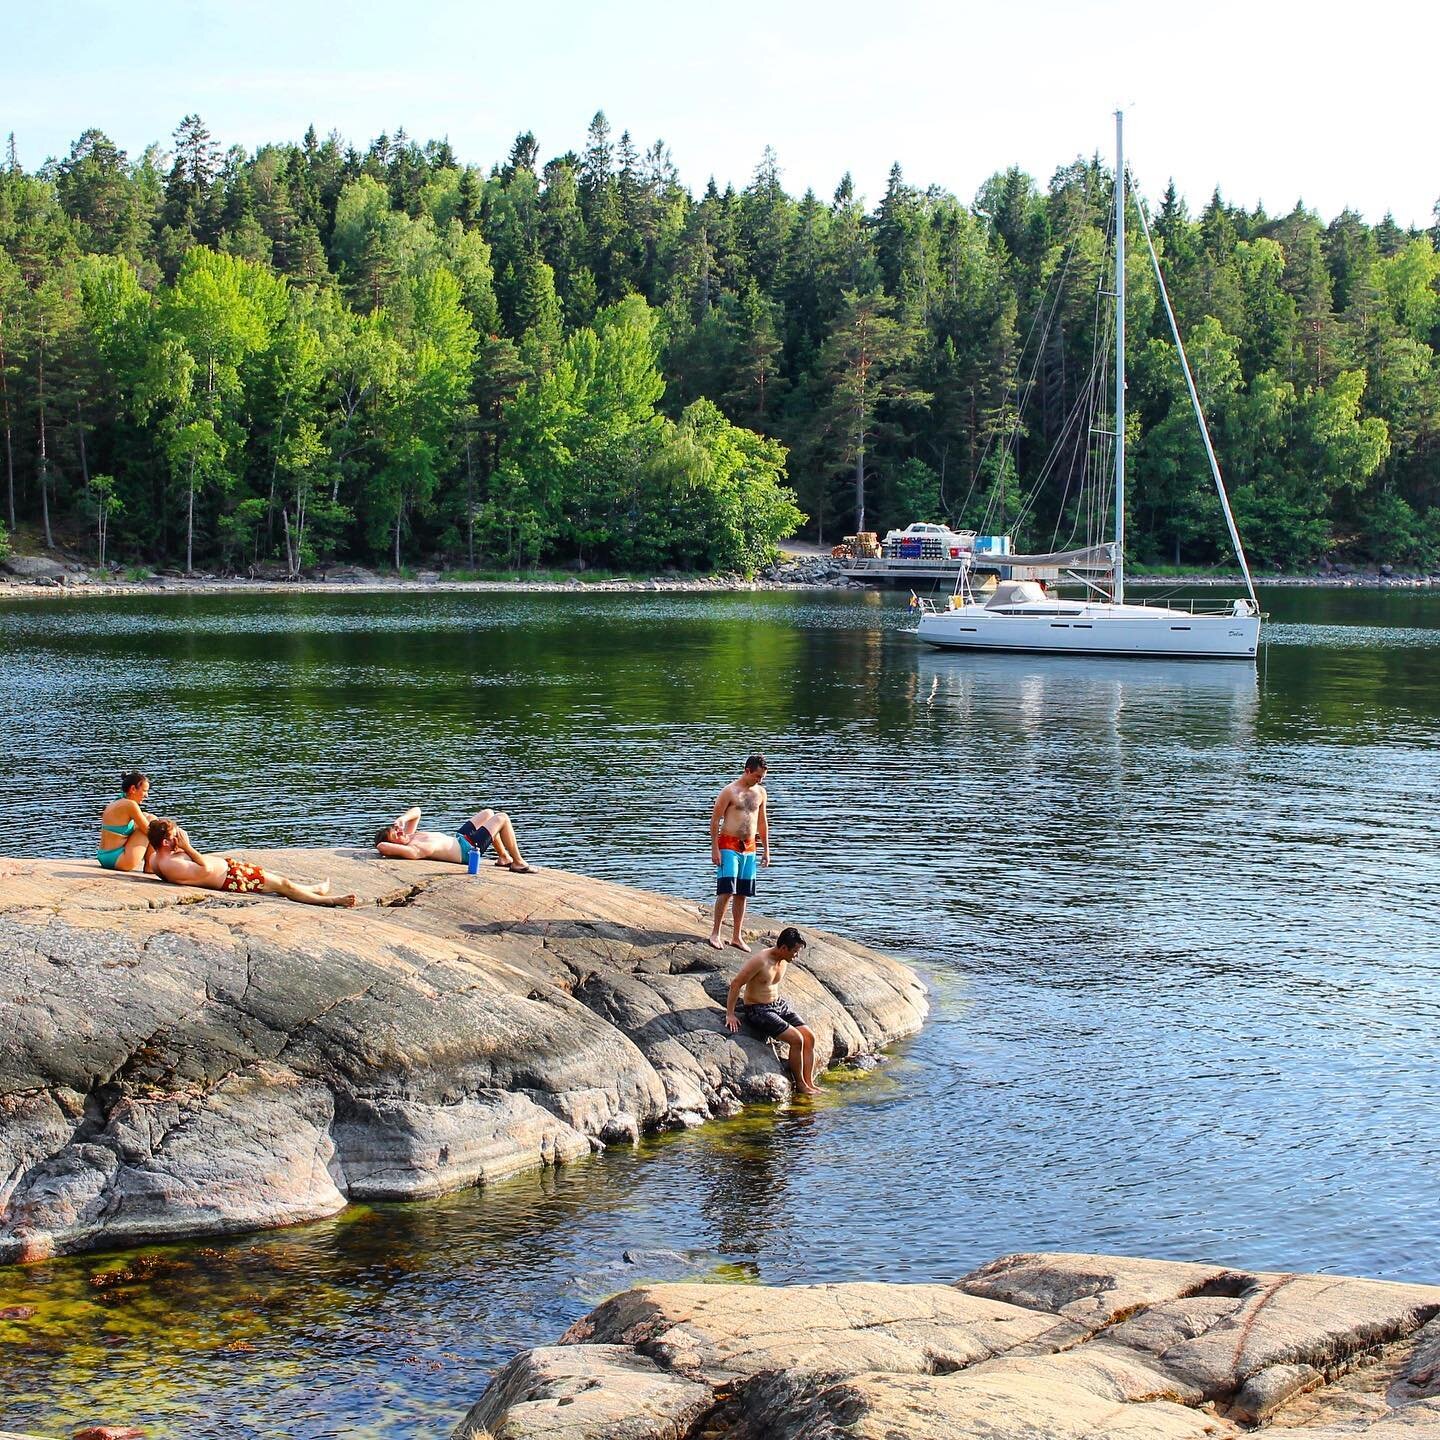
[
  {"x": 177, "y": 1062},
  {"x": 1029, "y": 1347},
  {"x": 33, "y": 577},
  {"x": 24, "y": 577}
]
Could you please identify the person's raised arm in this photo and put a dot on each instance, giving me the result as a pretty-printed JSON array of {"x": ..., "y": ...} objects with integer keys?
[
  {"x": 183, "y": 841},
  {"x": 717, "y": 816},
  {"x": 407, "y": 822},
  {"x": 742, "y": 978}
]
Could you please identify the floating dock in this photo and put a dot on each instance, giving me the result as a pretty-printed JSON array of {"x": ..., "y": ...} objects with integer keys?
[{"x": 1051, "y": 567}]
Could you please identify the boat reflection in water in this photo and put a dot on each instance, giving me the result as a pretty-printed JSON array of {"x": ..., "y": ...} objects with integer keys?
[{"x": 1059, "y": 696}]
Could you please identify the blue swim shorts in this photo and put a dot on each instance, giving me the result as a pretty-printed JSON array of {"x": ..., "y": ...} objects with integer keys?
[
  {"x": 735, "y": 875},
  {"x": 472, "y": 837}
]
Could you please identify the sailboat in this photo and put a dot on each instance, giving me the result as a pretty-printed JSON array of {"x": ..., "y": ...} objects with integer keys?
[{"x": 1019, "y": 615}]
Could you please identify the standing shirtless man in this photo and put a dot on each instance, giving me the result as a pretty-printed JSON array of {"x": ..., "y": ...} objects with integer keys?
[
  {"x": 737, "y": 822},
  {"x": 766, "y": 1013}
]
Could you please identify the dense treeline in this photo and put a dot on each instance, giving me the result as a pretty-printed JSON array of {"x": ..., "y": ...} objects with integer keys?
[{"x": 310, "y": 352}]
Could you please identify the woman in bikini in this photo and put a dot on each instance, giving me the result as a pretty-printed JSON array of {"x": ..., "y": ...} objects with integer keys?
[
  {"x": 124, "y": 826},
  {"x": 173, "y": 858}
]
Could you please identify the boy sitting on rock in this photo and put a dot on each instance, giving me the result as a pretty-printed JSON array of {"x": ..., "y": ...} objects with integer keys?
[{"x": 765, "y": 1013}]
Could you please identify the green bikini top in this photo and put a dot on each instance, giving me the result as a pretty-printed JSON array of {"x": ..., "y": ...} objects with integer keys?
[{"x": 127, "y": 829}]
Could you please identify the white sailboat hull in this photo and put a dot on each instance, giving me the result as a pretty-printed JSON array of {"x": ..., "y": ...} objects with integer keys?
[{"x": 1094, "y": 629}]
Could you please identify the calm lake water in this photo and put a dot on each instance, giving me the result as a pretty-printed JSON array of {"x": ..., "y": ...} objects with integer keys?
[{"x": 1180, "y": 922}]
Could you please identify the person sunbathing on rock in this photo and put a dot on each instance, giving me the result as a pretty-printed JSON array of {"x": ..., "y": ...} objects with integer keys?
[
  {"x": 765, "y": 1013},
  {"x": 172, "y": 857},
  {"x": 401, "y": 840}
]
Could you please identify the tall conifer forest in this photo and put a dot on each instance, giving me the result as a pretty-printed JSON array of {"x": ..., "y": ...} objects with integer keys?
[{"x": 212, "y": 358}]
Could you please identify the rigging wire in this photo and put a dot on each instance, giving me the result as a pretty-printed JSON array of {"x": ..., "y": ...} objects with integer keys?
[{"x": 1048, "y": 306}]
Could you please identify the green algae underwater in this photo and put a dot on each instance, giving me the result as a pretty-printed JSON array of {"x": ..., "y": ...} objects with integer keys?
[{"x": 383, "y": 1321}]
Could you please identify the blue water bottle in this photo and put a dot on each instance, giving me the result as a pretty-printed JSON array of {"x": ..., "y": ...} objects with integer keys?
[{"x": 472, "y": 862}]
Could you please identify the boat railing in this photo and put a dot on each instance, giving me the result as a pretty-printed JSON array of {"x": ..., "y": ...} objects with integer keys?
[
  {"x": 1197, "y": 605},
  {"x": 923, "y": 605}
]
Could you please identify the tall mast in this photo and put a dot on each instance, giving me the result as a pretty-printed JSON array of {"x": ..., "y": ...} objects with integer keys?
[{"x": 1119, "y": 357}]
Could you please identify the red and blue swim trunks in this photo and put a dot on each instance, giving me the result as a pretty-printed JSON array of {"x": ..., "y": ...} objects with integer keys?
[{"x": 735, "y": 875}]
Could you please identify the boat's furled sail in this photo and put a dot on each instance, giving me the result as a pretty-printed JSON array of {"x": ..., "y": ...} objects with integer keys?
[{"x": 1089, "y": 557}]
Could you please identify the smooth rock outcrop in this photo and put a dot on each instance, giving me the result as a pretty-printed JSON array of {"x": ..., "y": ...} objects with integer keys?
[
  {"x": 32, "y": 567},
  {"x": 1035, "y": 1347},
  {"x": 179, "y": 1062}
]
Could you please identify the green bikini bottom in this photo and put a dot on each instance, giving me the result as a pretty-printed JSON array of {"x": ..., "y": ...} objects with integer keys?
[{"x": 108, "y": 857}]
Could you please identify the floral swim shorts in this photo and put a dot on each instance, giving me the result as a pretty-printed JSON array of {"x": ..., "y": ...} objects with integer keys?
[{"x": 242, "y": 878}]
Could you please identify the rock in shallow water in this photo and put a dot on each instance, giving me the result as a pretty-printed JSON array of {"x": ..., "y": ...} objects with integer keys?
[
  {"x": 177, "y": 1062},
  {"x": 1032, "y": 1346},
  {"x": 600, "y": 1392}
]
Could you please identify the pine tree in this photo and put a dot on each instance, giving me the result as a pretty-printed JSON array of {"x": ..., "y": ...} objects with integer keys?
[
  {"x": 866, "y": 366},
  {"x": 595, "y": 163},
  {"x": 539, "y": 316},
  {"x": 192, "y": 174},
  {"x": 523, "y": 155}
]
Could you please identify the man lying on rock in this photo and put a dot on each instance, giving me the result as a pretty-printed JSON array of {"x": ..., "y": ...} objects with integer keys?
[
  {"x": 173, "y": 858},
  {"x": 401, "y": 840},
  {"x": 765, "y": 1013}
]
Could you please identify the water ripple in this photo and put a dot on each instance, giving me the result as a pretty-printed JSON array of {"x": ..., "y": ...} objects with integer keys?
[{"x": 1179, "y": 922}]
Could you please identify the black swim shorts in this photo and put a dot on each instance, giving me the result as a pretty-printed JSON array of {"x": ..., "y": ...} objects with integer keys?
[{"x": 768, "y": 1021}]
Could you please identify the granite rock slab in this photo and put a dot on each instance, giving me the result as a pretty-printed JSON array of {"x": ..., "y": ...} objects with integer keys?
[
  {"x": 1030, "y": 1347},
  {"x": 178, "y": 1062}
]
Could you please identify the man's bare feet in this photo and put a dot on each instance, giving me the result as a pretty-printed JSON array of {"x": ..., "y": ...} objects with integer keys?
[
  {"x": 714, "y": 942},
  {"x": 323, "y": 888},
  {"x": 738, "y": 945},
  {"x": 344, "y": 902}
]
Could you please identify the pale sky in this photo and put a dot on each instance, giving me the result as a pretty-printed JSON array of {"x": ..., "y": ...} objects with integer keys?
[{"x": 1326, "y": 102}]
